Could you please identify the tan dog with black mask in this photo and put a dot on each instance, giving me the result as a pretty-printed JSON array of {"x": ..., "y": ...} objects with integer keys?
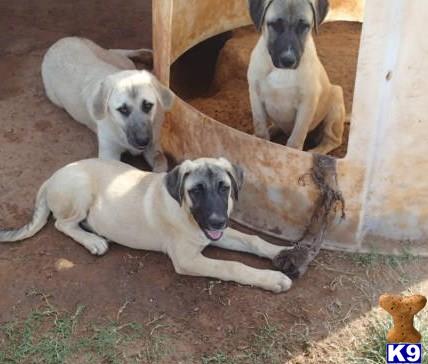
[
  {"x": 178, "y": 213},
  {"x": 288, "y": 84}
]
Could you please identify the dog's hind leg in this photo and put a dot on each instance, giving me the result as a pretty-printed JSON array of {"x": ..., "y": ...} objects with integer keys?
[
  {"x": 132, "y": 53},
  {"x": 94, "y": 243},
  {"x": 70, "y": 197},
  {"x": 334, "y": 123},
  {"x": 142, "y": 55}
]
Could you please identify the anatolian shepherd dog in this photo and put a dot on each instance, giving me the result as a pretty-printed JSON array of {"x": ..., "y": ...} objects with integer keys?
[
  {"x": 101, "y": 89},
  {"x": 288, "y": 84},
  {"x": 178, "y": 213}
]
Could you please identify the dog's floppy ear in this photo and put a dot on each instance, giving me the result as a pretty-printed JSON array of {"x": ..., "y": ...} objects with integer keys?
[
  {"x": 319, "y": 9},
  {"x": 258, "y": 9},
  {"x": 165, "y": 96},
  {"x": 174, "y": 181},
  {"x": 236, "y": 175},
  {"x": 100, "y": 100}
]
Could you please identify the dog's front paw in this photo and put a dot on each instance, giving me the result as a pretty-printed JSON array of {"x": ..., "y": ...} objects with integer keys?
[
  {"x": 97, "y": 245},
  {"x": 291, "y": 261},
  {"x": 277, "y": 282},
  {"x": 261, "y": 132},
  {"x": 295, "y": 143}
]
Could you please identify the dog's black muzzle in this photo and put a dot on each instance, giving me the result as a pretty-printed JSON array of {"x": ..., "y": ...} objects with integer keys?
[
  {"x": 139, "y": 136},
  {"x": 286, "y": 50},
  {"x": 288, "y": 61}
]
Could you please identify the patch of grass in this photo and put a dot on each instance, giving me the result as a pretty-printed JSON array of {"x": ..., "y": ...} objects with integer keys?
[
  {"x": 23, "y": 340},
  {"x": 267, "y": 346},
  {"x": 371, "y": 347},
  {"x": 218, "y": 358},
  {"x": 106, "y": 341},
  {"x": 51, "y": 337},
  {"x": 374, "y": 258},
  {"x": 155, "y": 349}
]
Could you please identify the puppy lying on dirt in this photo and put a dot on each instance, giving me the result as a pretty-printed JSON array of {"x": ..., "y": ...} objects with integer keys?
[
  {"x": 178, "y": 213},
  {"x": 102, "y": 89}
]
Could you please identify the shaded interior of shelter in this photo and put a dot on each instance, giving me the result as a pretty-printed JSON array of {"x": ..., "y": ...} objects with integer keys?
[{"x": 212, "y": 75}]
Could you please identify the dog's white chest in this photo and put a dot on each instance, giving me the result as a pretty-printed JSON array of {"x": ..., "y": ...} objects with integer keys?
[{"x": 280, "y": 94}]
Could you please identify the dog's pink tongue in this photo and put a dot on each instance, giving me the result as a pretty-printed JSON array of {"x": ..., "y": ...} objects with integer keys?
[{"x": 215, "y": 235}]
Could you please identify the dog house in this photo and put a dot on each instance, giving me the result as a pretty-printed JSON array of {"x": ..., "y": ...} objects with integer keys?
[{"x": 382, "y": 178}]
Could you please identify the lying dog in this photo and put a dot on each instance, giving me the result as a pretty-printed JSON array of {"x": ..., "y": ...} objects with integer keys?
[
  {"x": 179, "y": 213},
  {"x": 287, "y": 82},
  {"x": 102, "y": 89}
]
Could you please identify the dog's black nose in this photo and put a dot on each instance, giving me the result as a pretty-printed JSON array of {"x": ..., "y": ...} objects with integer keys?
[
  {"x": 217, "y": 222},
  {"x": 288, "y": 60},
  {"x": 142, "y": 141}
]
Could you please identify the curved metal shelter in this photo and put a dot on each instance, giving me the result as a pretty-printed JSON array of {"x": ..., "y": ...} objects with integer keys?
[{"x": 383, "y": 176}]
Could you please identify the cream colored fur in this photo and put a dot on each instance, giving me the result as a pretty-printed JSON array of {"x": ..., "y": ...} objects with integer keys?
[
  {"x": 90, "y": 83},
  {"x": 134, "y": 208},
  {"x": 295, "y": 100}
]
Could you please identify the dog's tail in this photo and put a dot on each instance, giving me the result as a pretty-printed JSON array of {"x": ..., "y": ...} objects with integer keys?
[
  {"x": 40, "y": 217},
  {"x": 133, "y": 53}
]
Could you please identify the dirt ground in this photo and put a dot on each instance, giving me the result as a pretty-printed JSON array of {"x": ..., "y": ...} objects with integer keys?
[
  {"x": 228, "y": 99},
  {"x": 201, "y": 320}
]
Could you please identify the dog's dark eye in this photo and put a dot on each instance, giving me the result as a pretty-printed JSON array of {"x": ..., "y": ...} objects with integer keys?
[
  {"x": 197, "y": 189},
  {"x": 223, "y": 187},
  {"x": 147, "y": 106},
  {"x": 302, "y": 26},
  {"x": 124, "y": 110},
  {"x": 277, "y": 26}
]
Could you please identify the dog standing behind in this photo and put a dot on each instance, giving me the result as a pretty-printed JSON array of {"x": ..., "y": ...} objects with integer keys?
[
  {"x": 287, "y": 82},
  {"x": 178, "y": 213},
  {"x": 103, "y": 90}
]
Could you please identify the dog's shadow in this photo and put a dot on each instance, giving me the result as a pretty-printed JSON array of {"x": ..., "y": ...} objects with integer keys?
[
  {"x": 137, "y": 161},
  {"x": 313, "y": 139}
]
